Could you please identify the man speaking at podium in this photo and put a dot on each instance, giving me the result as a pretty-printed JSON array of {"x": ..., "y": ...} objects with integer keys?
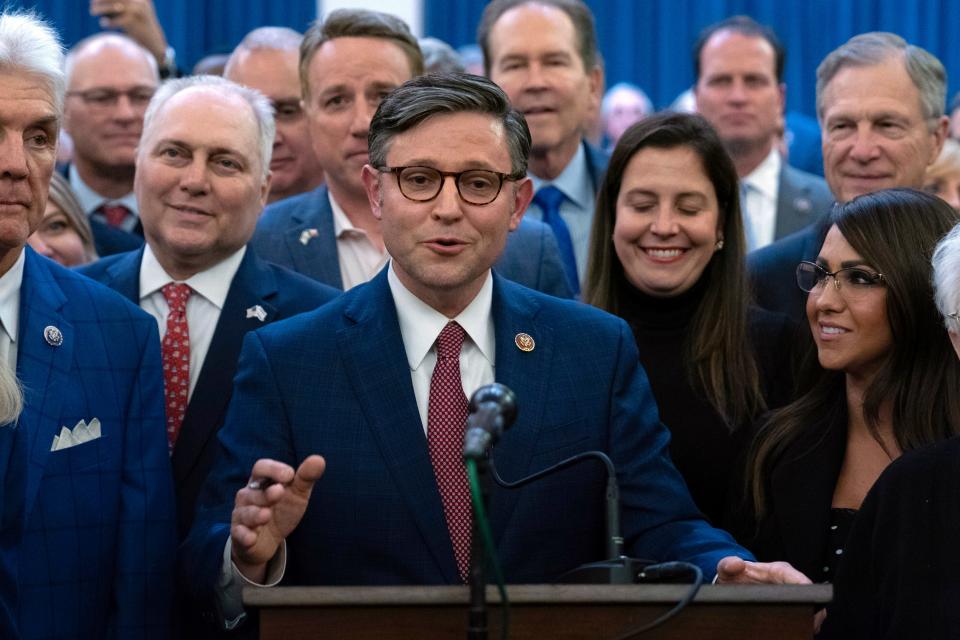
[{"x": 377, "y": 382}]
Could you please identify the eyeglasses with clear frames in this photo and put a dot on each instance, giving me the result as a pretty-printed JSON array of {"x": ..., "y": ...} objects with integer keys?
[
  {"x": 475, "y": 186},
  {"x": 106, "y": 98},
  {"x": 852, "y": 282}
]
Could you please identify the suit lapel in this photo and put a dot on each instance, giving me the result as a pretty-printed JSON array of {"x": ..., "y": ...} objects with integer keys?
[
  {"x": 43, "y": 369},
  {"x": 252, "y": 285},
  {"x": 376, "y": 364},
  {"x": 124, "y": 276},
  {"x": 312, "y": 242},
  {"x": 527, "y": 374}
]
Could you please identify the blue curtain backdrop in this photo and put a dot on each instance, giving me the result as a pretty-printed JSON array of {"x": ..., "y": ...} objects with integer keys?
[
  {"x": 649, "y": 41},
  {"x": 643, "y": 41},
  {"x": 194, "y": 28}
]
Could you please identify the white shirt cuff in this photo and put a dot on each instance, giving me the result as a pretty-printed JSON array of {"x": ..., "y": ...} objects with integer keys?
[{"x": 230, "y": 586}]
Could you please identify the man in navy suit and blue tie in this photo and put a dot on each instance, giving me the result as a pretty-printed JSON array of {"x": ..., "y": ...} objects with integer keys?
[
  {"x": 377, "y": 382},
  {"x": 202, "y": 180},
  {"x": 87, "y": 527},
  {"x": 543, "y": 53},
  {"x": 348, "y": 63}
]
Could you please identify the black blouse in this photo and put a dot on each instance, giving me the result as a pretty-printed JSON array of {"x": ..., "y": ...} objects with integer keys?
[{"x": 703, "y": 447}]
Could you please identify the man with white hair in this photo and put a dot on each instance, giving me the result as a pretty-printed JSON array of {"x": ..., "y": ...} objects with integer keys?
[
  {"x": 110, "y": 80},
  {"x": 87, "y": 530},
  {"x": 267, "y": 60},
  {"x": 202, "y": 180}
]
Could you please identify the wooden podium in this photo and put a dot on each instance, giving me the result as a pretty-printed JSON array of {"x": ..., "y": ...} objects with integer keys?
[{"x": 537, "y": 612}]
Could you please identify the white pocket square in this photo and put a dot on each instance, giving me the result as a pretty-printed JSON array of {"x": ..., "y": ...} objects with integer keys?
[{"x": 82, "y": 432}]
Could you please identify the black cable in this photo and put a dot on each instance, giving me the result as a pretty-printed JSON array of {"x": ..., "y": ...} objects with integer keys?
[{"x": 666, "y": 571}]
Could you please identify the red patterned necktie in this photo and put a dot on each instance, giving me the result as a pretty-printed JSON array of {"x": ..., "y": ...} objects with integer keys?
[
  {"x": 175, "y": 350},
  {"x": 115, "y": 214},
  {"x": 446, "y": 419}
]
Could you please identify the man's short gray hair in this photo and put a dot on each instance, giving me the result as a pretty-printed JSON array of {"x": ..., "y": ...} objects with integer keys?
[
  {"x": 867, "y": 49},
  {"x": 946, "y": 278},
  {"x": 265, "y": 38},
  {"x": 416, "y": 100},
  {"x": 118, "y": 39},
  {"x": 262, "y": 111},
  {"x": 28, "y": 45}
]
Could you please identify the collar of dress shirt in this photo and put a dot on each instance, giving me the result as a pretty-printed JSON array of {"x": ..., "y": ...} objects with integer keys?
[
  {"x": 420, "y": 324},
  {"x": 341, "y": 223},
  {"x": 574, "y": 181},
  {"x": 90, "y": 200},
  {"x": 10, "y": 284},
  {"x": 765, "y": 178},
  {"x": 213, "y": 284}
]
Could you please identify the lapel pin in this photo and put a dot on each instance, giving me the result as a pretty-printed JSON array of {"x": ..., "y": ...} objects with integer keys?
[
  {"x": 256, "y": 311},
  {"x": 802, "y": 204},
  {"x": 308, "y": 235},
  {"x": 524, "y": 342},
  {"x": 53, "y": 336}
]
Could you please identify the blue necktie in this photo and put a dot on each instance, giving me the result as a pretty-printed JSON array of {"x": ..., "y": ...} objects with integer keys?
[
  {"x": 748, "y": 230},
  {"x": 549, "y": 199}
]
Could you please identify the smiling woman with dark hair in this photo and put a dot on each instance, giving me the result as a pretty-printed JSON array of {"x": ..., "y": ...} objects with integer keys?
[
  {"x": 900, "y": 577},
  {"x": 667, "y": 255},
  {"x": 885, "y": 382}
]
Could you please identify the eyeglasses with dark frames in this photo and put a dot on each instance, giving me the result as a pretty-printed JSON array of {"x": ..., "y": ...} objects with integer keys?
[
  {"x": 475, "y": 186},
  {"x": 851, "y": 281}
]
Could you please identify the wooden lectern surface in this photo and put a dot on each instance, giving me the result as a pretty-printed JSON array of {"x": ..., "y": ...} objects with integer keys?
[{"x": 538, "y": 611}]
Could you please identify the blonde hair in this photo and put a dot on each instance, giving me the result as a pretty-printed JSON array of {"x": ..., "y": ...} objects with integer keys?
[{"x": 11, "y": 396}]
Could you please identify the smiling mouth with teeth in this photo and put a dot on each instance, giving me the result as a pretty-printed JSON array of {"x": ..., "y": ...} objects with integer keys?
[
  {"x": 664, "y": 253},
  {"x": 832, "y": 330}
]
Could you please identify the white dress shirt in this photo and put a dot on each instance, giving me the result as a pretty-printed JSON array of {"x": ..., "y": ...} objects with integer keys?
[
  {"x": 10, "y": 284},
  {"x": 420, "y": 325},
  {"x": 359, "y": 258},
  {"x": 760, "y": 217},
  {"x": 576, "y": 183},
  {"x": 90, "y": 200},
  {"x": 204, "y": 305}
]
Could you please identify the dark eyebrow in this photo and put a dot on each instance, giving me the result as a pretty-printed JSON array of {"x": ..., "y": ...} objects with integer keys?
[
  {"x": 46, "y": 122},
  {"x": 849, "y": 264}
]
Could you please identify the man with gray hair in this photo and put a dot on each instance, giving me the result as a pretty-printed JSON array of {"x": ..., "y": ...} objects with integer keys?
[
  {"x": 110, "y": 80},
  {"x": 202, "y": 180},
  {"x": 349, "y": 62},
  {"x": 880, "y": 102},
  {"x": 378, "y": 382},
  {"x": 87, "y": 524},
  {"x": 266, "y": 60}
]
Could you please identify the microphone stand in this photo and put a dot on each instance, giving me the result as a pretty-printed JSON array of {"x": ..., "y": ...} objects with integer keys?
[{"x": 477, "y": 616}]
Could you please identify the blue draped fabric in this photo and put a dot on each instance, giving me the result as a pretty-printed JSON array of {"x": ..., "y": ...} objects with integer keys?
[
  {"x": 194, "y": 28},
  {"x": 649, "y": 41}
]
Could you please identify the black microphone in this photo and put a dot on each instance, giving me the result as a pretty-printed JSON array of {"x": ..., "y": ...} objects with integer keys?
[{"x": 493, "y": 408}]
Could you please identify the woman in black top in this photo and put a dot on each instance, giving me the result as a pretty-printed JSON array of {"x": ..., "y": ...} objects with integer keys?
[
  {"x": 667, "y": 255},
  {"x": 884, "y": 381},
  {"x": 900, "y": 577}
]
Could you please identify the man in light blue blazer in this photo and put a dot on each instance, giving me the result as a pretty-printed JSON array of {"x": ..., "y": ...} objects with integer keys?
[
  {"x": 368, "y": 381},
  {"x": 330, "y": 234},
  {"x": 87, "y": 527}
]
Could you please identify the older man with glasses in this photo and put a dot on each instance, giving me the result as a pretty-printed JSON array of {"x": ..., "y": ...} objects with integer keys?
[{"x": 110, "y": 80}]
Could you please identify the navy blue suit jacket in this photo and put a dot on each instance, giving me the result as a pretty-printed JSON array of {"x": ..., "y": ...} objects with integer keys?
[
  {"x": 336, "y": 382},
  {"x": 773, "y": 270},
  {"x": 109, "y": 240},
  {"x": 95, "y": 559},
  {"x": 278, "y": 291},
  {"x": 531, "y": 256}
]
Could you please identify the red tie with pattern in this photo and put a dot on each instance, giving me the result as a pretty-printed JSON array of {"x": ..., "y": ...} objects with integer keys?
[
  {"x": 175, "y": 350},
  {"x": 115, "y": 214},
  {"x": 446, "y": 419}
]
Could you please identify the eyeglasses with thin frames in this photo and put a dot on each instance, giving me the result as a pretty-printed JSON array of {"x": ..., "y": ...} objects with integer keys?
[
  {"x": 851, "y": 282},
  {"x": 475, "y": 186},
  {"x": 106, "y": 98}
]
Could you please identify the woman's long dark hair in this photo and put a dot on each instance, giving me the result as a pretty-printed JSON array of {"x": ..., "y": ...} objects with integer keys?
[
  {"x": 720, "y": 356},
  {"x": 896, "y": 232}
]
